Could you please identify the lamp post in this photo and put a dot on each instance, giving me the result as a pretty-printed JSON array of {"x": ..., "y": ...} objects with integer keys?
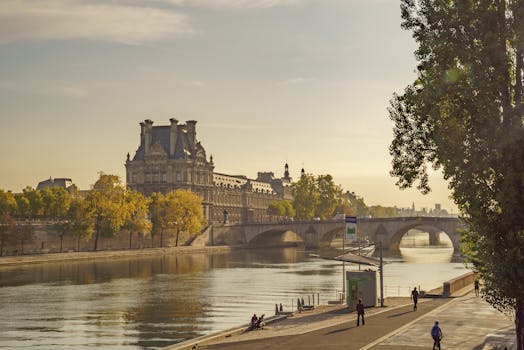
[{"x": 381, "y": 273}]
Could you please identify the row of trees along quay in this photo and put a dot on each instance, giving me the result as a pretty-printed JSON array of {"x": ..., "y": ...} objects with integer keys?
[
  {"x": 109, "y": 209},
  {"x": 464, "y": 115},
  {"x": 319, "y": 197},
  {"x": 106, "y": 210}
]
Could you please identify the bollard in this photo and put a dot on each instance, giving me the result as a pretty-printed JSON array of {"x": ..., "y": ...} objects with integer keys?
[
  {"x": 318, "y": 298},
  {"x": 276, "y": 309},
  {"x": 308, "y": 300},
  {"x": 281, "y": 308}
]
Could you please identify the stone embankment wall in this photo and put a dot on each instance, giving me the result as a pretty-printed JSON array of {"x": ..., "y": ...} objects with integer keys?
[
  {"x": 458, "y": 283},
  {"x": 47, "y": 240}
]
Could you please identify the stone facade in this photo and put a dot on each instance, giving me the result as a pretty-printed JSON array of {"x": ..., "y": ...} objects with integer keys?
[{"x": 170, "y": 157}]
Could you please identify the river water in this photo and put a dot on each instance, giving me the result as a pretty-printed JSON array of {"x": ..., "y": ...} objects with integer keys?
[{"x": 151, "y": 302}]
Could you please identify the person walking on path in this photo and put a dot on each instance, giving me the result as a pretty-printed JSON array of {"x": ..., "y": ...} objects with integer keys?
[
  {"x": 436, "y": 334},
  {"x": 477, "y": 287},
  {"x": 414, "y": 296},
  {"x": 360, "y": 313}
]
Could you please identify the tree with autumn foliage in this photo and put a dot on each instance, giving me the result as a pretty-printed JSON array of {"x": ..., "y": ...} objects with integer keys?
[
  {"x": 106, "y": 202},
  {"x": 137, "y": 214},
  {"x": 177, "y": 211},
  {"x": 8, "y": 207}
]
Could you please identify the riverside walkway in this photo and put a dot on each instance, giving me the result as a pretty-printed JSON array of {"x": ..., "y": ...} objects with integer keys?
[{"x": 467, "y": 322}]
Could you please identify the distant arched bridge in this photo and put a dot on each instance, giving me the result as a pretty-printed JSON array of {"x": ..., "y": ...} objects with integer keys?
[{"x": 316, "y": 234}]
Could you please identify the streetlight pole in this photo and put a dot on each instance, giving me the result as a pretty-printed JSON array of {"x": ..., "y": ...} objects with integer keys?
[
  {"x": 381, "y": 273},
  {"x": 343, "y": 265}
]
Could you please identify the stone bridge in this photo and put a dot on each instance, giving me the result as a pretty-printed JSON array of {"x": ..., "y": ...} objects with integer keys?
[{"x": 316, "y": 234}]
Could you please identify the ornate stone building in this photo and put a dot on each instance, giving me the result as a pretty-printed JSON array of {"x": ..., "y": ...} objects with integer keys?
[{"x": 170, "y": 157}]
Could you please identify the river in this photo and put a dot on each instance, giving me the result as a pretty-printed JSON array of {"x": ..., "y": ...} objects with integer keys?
[{"x": 152, "y": 302}]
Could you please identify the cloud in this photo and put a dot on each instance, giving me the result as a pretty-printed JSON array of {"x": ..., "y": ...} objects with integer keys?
[
  {"x": 44, "y": 87},
  {"x": 71, "y": 19},
  {"x": 294, "y": 81},
  {"x": 235, "y": 4}
]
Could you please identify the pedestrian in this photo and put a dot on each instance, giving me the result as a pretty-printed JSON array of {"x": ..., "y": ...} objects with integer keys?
[
  {"x": 414, "y": 296},
  {"x": 477, "y": 287},
  {"x": 436, "y": 334},
  {"x": 360, "y": 313}
]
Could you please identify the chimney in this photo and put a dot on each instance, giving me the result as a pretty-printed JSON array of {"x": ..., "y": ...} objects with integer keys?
[
  {"x": 142, "y": 134},
  {"x": 191, "y": 132},
  {"x": 172, "y": 136},
  {"x": 148, "y": 134}
]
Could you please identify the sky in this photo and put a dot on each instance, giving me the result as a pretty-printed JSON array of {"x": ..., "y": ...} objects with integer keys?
[{"x": 307, "y": 82}]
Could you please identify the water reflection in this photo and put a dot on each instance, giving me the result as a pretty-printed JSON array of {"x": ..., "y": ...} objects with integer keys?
[{"x": 151, "y": 302}]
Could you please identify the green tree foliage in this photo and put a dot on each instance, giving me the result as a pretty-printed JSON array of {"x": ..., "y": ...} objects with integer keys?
[
  {"x": 8, "y": 203},
  {"x": 281, "y": 209},
  {"x": 137, "y": 212},
  {"x": 464, "y": 114},
  {"x": 306, "y": 197},
  {"x": 357, "y": 204},
  {"x": 329, "y": 195},
  {"x": 8, "y": 208},
  {"x": 36, "y": 204},
  {"x": 23, "y": 206},
  {"x": 79, "y": 221},
  {"x": 56, "y": 201},
  {"x": 160, "y": 220},
  {"x": 378, "y": 211},
  {"x": 106, "y": 201}
]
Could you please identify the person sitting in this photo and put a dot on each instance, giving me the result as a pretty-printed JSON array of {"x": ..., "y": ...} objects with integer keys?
[
  {"x": 260, "y": 322},
  {"x": 254, "y": 320}
]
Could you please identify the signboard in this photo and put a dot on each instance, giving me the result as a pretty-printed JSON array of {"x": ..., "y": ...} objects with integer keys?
[{"x": 351, "y": 228}]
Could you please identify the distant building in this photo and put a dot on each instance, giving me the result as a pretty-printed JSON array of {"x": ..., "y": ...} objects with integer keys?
[
  {"x": 170, "y": 157},
  {"x": 64, "y": 183}
]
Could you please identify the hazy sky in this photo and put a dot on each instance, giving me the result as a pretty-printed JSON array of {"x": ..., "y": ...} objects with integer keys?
[{"x": 306, "y": 82}]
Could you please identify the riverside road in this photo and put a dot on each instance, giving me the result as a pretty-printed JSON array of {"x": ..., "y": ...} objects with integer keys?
[{"x": 468, "y": 322}]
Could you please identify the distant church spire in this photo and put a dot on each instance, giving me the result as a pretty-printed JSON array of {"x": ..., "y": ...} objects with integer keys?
[{"x": 286, "y": 171}]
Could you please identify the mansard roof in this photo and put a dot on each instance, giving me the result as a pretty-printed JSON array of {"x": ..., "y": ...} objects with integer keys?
[{"x": 184, "y": 147}]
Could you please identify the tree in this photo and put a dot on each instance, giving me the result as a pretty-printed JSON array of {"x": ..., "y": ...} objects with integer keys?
[
  {"x": 23, "y": 206},
  {"x": 186, "y": 210},
  {"x": 329, "y": 196},
  {"x": 179, "y": 210},
  {"x": 35, "y": 201},
  {"x": 106, "y": 201},
  {"x": 378, "y": 211},
  {"x": 137, "y": 212},
  {"x": 281, "y": 209},
  {"x": 305, "y": 197},
  {"x": 79, "y": 221},
  {"x": 8, "y": 208},
  {"x": 464, "y": 114},
  {"x": 160, "y": 219},
  {"x": 56, "y": 201}
]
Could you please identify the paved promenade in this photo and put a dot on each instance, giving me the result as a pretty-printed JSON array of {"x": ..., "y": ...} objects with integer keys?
[{"x": 467, "y": 322}]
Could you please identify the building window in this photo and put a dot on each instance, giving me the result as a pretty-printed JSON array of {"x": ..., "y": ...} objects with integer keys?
[
  {"x": 178, "y": 176},
  {"x": 164, "y": 178}
]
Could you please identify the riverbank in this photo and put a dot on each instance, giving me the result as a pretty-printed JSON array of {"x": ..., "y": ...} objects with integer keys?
[
  {"x": 468, "y": 322},
  {"x": 15, "y": 261}
]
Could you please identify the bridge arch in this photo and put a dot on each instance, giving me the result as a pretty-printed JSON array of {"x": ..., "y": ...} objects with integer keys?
[
  {"x": 327, "y": 237},
  {"x": 276, "y": 238},
  {"x": 433, "y": 230}
]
